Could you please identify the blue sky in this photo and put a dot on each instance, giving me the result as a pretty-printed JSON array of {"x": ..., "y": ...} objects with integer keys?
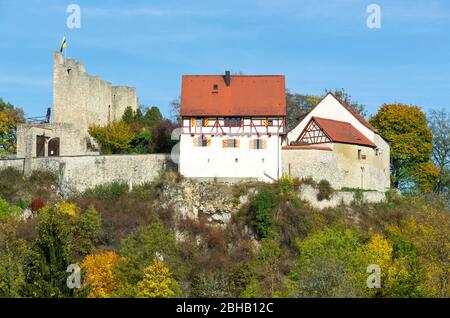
[{"x": 150, "y": 44}]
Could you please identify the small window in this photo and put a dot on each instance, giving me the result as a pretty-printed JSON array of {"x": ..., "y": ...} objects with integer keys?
[
  {"x": 257, "y": 144},
  {"x": 359, "y": 154},
  {"x": 236, "y": 160},
  {"x": 202, "y": 141},
  {"x": 270, "y": 122},
  {"x": 199, "y": 122},
  {"x": 230, "y": 143},
  {"x": 232, "y": 121},
  {"x": 215, "y": 87}
]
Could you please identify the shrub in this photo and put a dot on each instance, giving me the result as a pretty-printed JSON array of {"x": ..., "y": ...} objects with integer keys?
[
  {"x": 110, "y": 191},
  {"x": 9, "y": 212},
  {"x": 286, "y": 185},
  {"x": 261, "y": 207},
  {"x": 37, "y": 204},
  {"x": 325, "y": 190},
  {"x": 113, "y": 138},
  {"x": 11, "y": 181},
  {"x": 50, "y": 255},
  {"x": 87, "y": 231},
  {"x": 358, "y": 197}
]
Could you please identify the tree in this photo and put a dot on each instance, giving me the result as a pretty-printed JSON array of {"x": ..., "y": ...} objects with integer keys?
[
  {"x": 439, "y": 122},
  {"x": 261, "y": 207},
  {"x": 12, "y": 258},
  {"x": 99, "y": 275},
  {"x": 329, "y": 265},
  {"x": 410, "y": 142},
  {"x": 175, "y": 110},
  {"x": 10, "y": 118},
  {"x": 114, "y": 138},
  {"x": 87, "y": 229},
  {"x": 298, "y": 105},
  {"x": 128, "y": 115},
  {"x": 268, "y": 279},
  {"x": 138, "y": 251},
  {"x": 50, "y": 256},
  {"x": 157, "y": 282},
  {"x": 152, "y": 116}
]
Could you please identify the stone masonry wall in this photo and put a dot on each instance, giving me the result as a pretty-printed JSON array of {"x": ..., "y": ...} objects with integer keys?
[
  {"x": 84, "y": 100},
  {"x": 81, "y": 172}
]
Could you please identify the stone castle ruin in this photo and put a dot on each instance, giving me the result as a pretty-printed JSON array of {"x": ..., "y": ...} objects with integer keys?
[{"x": 79, "y": 101}]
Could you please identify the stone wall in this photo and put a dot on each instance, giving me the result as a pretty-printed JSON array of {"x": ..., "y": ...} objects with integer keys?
[
  {"x": 81, "y": 172},
  {"x": 340, "y": 165},
  {"x": 309, "y": 194}
]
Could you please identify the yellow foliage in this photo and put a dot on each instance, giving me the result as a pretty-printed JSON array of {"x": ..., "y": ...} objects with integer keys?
[
  {"x": 114, "y": 137},
  {"x": 70, "y": 209},
  {"x": 99, "y": 273},
  {"x": 157, "y": 282},
  {"x": 379, "y": 251}
]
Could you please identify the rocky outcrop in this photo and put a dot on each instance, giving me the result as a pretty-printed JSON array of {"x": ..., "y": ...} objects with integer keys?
[{"x": 216, "y": 202}]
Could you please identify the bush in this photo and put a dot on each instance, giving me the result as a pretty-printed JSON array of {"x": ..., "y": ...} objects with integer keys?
[
  {"x": 261, "y": 207},
  {"x": 9, "y": 212},
  {"x": 11, "y": 181},
  {"x": 87, "y": 231},
  {"x": 110, "y": 191},
  {"x": 325, "y": 190},
  {"x": 113, "y": 138}
]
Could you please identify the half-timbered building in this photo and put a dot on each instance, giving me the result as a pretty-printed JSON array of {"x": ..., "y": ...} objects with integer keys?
[{"x": 232, "y": 126}]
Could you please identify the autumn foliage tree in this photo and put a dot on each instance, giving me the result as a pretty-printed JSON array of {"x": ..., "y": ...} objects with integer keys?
[
  {"x": 410, "y": 145},
  {"x": 10, "y": 118},
  {"x": 157, "y": 281},
  {"x": 99, "y": 275},
  {"x": 113, "y": 138}
]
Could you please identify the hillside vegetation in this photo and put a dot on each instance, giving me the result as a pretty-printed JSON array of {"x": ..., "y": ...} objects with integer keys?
[{"x": 135, "y": 243}]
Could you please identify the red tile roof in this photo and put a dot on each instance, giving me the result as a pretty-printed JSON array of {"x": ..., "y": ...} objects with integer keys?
[
  {"x": 341, "y": 131},
  {"x": 263, "y": 95}
]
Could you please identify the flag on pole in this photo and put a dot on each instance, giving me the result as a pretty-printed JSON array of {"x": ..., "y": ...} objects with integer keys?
[{"x": 63, "y": 44}]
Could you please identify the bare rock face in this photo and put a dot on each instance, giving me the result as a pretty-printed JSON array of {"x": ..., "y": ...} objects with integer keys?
[{"x": 216, "y": 202}]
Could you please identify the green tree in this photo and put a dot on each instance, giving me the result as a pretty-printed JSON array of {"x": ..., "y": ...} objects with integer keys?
[
  {"x": 128, "y": 115},
  {"x": 328, "y": 265},
  {"x": 157, "y": 282},
  {"x": 114, "y": 138},
  {"x": 262, "y": 209},
  {"x": 138, "y": 251},
  {"x": 13, "y": 251},
  {"x": 410, "y": 141},
  {"x": 439, "y": 122},
  {"x": 87, "y": 231},
  {"x": 152, "y": 116},
  {"x": 10, "y": 118},
  {"x": 268, "y": 278},
  {"x": 50, "y": 256}
]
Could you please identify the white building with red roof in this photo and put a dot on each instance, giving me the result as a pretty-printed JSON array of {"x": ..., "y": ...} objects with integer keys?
[{"x": 232, "y": 126}]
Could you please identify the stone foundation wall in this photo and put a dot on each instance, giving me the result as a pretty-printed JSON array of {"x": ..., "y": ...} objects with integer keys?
[{"x": 81, "y": 172}]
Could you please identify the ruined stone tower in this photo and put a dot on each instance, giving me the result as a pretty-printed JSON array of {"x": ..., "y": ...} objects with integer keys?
[
  {"x": 79, "y": 101},
  {"x": 84, "y": 100}
]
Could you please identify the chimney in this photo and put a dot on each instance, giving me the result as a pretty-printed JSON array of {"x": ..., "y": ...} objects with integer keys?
[{"x": 227, "y": 78}]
